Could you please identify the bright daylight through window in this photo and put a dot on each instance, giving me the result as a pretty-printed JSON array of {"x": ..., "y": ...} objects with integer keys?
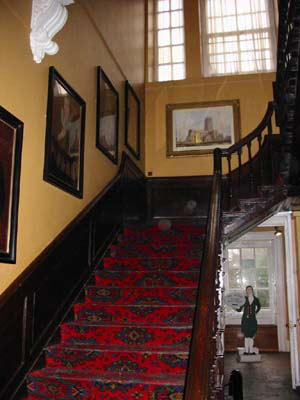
[
  {"x": 237, "y": 36},
  {"x": 170, "y": 54}
]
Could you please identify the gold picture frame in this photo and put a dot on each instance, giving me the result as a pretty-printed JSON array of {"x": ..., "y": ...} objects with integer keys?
[{"x": 195, "y": 129}]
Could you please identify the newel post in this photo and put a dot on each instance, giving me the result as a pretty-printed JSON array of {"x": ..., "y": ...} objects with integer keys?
[{"x": 218, "y": 161}]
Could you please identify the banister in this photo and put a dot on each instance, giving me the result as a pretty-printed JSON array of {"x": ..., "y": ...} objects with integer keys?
[
  {"x": 252, "y": 135},
  {"x": 204, "y": 367},
  {"x": 198, "y": 374}
]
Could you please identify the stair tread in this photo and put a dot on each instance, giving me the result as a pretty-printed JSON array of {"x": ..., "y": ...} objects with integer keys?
[
  {"x": 155, "y": 306},
  {"x": 138, "y": 287},
  {"x": 122, "y": 377},
  {"x": 127, "y": 272},
  {"x": 174, "y": 349},
  {"x": 134, "y": 337},
  {"x": 123, "y": 325},
  {"x": 253, "y": 199}
]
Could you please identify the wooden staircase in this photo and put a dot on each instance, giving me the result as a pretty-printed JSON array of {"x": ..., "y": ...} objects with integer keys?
[{"x": 250, "y": 191}]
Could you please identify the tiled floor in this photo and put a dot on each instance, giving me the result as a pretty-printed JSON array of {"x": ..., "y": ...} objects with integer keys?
[{"x": 270, "y": 379}]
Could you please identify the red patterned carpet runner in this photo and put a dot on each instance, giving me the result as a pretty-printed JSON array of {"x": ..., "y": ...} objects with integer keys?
[{"x": 130, "y": 338}]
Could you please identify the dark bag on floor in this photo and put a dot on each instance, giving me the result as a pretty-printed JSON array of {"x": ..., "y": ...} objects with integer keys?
[{"x": 236, "y": 385}]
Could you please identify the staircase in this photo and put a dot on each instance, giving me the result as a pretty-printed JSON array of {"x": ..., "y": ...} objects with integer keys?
[{"x": 130, "y": 338}]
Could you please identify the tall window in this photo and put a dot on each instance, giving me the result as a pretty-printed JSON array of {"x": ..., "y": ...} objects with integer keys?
[
  {"x": 252, "y": 260},
  {"x": 250, "y": 266},
  {"x": 237, "y": 36},
  {"x": 170, "y": 53}
]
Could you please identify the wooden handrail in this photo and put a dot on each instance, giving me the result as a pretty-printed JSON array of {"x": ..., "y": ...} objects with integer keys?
[
  {"x": 198, "y": 375},
  {"x": 252, "y": 135},
  {"x": 205, "y": 363}
]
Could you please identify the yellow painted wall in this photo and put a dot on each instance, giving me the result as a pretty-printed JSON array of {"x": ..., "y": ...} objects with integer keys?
[
  {"x": 85, "y": 42},
  {"x": 254, "y": 91}
]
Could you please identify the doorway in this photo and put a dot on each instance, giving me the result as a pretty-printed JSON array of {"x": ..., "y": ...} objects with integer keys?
[
  {"x": 266, "y": 262},
  {"x": 256, "y": 259}
]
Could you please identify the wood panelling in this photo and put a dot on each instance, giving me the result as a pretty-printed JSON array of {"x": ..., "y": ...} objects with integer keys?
[
  {"x": 178, "y": 197},
  {"x": 266, "y": 338},
  {"x": 32, "y": 308}
]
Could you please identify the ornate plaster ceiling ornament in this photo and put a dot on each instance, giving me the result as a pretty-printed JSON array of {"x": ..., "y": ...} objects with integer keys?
[{"x": 48, "y": 18}]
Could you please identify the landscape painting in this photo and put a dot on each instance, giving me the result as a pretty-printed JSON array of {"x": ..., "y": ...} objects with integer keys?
[{"x": 199, "y": 128}]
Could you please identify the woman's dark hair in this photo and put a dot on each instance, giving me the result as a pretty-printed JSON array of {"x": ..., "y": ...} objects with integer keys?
[{"x": 250, "y": 287}]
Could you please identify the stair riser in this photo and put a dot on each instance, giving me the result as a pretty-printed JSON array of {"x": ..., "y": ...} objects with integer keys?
[
  {"x": 109, "y": 361},
  {"x": 155, "y": 252},
  {"x": 157, "y": 247},
  {"x": 140, "y": 296},
  {"x": 160, "y": 241},
  {"x": 152, "y": 264},
  {"x": 124, "y": 336},
  {"x": 134, "y": 314},
  {"x": 146, "y": 279},
  {"x": 178, "y": 233},
  {"x": 75, "y": 389}
]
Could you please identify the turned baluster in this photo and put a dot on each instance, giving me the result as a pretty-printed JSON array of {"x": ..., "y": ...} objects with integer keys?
[
  {"x": 230, "y": 186},
  {"x": 270, "y": 149},
  {"x": 261, "y": 164},
  {"x": 251, "y": 183},
  {"x": 239, "y": 153}
]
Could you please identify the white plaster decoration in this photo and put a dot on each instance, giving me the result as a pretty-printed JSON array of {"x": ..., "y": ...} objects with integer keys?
[{"x": 48, "y": 18}]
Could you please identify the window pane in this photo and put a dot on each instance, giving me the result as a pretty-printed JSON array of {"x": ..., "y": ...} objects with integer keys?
[
  {"x": 177, "y": 54},
  {"x": 163, "y": 38},
  {"x": 163, "y": 20},
  {"x": 261, "y": 256},
  {"x": 235, "y": 279},
  {"x": 228, "y": 7},
  {"x": 177, "y": 36},
  {"x": 244, "y": 22},
  {"x": 234, "y": 258},
  {"x": 229, "y": 24},
  {"x": 177, "y": 18},
  {"x": 163, "y": 5},
  {"x": 164, "y": 55},
  {"x": 262, "y": 276},
  {"x": 249, "y": 277},
  {"x": 264, "y": 298},
  {"x": 248, "y": 260},
  {"x": 164, "y": 73},
  {"x": 175, "y": 4},
  {"x": 178, "y": 71},
  {"x": 243, "y": 7}
]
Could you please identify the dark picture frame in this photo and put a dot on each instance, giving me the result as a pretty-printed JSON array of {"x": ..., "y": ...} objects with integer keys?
[
  {"x": 107, "y": 124},
  {"x": 132, "y": 121},
  {"x": 195, "y": 129},
  {"x": 64, "y": 145},
  {"x": 11, "y": 138}
]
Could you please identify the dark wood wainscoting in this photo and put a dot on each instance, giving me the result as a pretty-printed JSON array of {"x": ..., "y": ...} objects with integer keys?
[
  {"x": 178, "y": 197},
  {"x": 266, "y": 338},
  {"x": 32, "y": 308}
]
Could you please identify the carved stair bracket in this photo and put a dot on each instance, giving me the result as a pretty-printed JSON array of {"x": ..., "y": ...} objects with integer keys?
[{"x": 48, "y": 18}]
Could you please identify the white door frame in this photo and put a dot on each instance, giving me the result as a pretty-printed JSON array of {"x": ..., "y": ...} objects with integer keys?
[{"x": 284, "y": 219}]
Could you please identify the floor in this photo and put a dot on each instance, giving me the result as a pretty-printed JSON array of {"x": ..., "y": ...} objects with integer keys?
[{"x": 270, "y": 379}]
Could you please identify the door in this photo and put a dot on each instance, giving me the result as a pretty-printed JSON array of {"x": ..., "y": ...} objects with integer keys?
[{"x": 284, "y": 219}]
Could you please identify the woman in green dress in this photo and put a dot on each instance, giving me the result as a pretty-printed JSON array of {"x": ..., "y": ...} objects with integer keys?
[{"x": 249, "y": 323}]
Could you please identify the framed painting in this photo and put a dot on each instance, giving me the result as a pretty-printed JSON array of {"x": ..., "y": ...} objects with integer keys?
[
  {"x": 132, "y": 121},
  {"x": 11, "y": 137},
  {"x": 199, "y": 128},
  {"x": 107, "y": 125},
  {"x": 64, "y": 147}
]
